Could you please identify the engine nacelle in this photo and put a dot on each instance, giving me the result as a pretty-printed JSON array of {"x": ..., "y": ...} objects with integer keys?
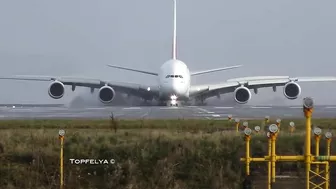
[
  {"x": 242, "y": 95},
  {"x": 56, "y": 90},
  {"x": 292, "y": 90},
  {"x": 106, "y": 94}
]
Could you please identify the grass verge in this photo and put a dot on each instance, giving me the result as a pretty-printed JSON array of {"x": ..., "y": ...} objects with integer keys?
[{"x": 149, "y": 153}]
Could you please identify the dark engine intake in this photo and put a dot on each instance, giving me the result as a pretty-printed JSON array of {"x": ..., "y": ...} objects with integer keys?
[
  {"x": 106, "y": 94},
  {"x": 56, "y": 90},
  {"x": 242, "y": 95},
  {"x": 292, "y": 90}
]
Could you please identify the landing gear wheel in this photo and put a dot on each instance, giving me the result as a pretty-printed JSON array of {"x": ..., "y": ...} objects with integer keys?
[{"x": 176, "y": 104}]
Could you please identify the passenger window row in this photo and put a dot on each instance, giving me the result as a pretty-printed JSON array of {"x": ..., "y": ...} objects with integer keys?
[{"x": 175, "y": 76}]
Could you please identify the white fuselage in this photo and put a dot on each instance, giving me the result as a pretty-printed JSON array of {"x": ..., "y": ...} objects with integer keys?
[{"x": 174, "y": 80}]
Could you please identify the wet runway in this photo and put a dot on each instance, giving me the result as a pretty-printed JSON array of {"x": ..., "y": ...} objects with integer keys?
[{"x": 147, "y": 112}]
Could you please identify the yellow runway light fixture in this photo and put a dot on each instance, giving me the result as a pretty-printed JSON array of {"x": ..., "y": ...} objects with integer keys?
[
  {"x": 247, "y": 132},
  {"x": 257, "y": 128},
  {"x": 328, "y": 136},
  {"x": 269, "y": 165},
  {"x": 291, "y": 127},
  {"x": 229, "y": 120},
  {"x": 309, "y": 159},
  {"x": 266, "y": 121},
  {"x": 308, "y": 102},
  {"x": 308, "y": 105},
  {"x": 278, "y": 123},
  {"x": 273, "y": 129},
  {"x": 245, "y": 124},
  {"x": 317, "y": 133},
  {"x": 61, "y": 134},
  {"x": 237, "y": 121},
  {"x": 229, "y": 117}
]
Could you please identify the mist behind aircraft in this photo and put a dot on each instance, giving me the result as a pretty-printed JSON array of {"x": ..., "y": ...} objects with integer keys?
[{"x": 81, "y": 37}]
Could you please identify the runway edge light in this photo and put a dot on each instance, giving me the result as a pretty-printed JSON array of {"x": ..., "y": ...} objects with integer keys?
[
  {"x": 328, "y": 135},
  {"x": 267, "y": 119},
  {"x": 292, "y": 124},
  {"x": 317, "y": 131},
  {"x": 273, "y": 128},
  {"x": 247, "y": 131},
  {"x": 291, "y": 127},
  {"x": 230, "y": 117},
  {"x": 61, "y": 132},
  {"x": 308, "y": 102}
]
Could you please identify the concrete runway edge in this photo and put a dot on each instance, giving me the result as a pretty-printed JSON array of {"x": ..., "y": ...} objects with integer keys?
[{"x": 155, "y": 112}]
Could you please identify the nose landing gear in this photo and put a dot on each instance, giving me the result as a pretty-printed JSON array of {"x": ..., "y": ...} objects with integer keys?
[{"x": 173, "y": 103}]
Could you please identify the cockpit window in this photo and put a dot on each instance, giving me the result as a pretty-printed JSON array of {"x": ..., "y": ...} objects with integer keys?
[{"x": 174, "y": 76}]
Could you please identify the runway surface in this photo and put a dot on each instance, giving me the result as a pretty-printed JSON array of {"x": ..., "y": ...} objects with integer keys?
[{"x": 147, "y": 112}]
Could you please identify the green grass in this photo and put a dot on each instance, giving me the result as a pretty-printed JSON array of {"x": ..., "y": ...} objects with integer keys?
[
  {"x": 149, "y": 153},
  {"x": 183, "y": 124}
]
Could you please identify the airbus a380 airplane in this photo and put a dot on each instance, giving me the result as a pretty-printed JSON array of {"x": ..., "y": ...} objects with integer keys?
[{"x": 174, "y": 83}]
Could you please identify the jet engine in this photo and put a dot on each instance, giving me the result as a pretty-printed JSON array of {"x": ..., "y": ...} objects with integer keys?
[
  {"x": 242, "y": 95},
  {"x": 292, "y": 90},
  {"x": 56, "y": 90},
  {"x": 106, "y": 94}
]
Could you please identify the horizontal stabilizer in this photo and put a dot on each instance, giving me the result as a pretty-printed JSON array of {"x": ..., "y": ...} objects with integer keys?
[
  {"x": 134, "y": 70},
  {"x": 214, "y": 70}
]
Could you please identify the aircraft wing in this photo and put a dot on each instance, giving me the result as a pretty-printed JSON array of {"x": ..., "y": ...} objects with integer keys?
[
  {"x": 214, "y": 70},
  {"x": 133, "y": 70},
  {"x": 134, "y": 89},
  {"x": 207, "y": 91}
]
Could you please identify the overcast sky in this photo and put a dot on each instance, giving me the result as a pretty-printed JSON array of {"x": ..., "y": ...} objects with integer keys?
[{"x": 80, "y": 37}]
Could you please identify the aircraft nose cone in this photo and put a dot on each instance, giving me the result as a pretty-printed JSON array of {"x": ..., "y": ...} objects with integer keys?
[{"x": 179, "y": 88}]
